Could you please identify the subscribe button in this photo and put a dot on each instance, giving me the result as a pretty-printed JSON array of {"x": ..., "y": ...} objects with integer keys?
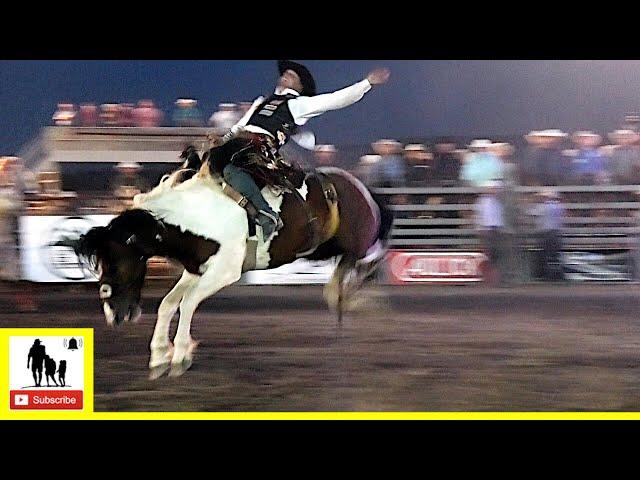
[{"x": 46, "y": 400}]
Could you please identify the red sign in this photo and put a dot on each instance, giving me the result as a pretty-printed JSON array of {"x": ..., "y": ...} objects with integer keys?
[
  {"x": 407, "y": 267},
  {"x": 46, "y": 399}
]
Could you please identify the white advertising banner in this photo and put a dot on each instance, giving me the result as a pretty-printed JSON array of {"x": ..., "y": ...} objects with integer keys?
[
  {"x": 300, "y": 272},
  {"x": 44, "y": 255}
]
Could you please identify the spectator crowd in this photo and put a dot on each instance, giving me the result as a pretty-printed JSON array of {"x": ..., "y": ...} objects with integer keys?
[{"x": 542, "y": 158}]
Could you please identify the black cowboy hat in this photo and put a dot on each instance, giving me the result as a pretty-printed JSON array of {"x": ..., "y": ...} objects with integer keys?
[{"x": 308, "y": 83}]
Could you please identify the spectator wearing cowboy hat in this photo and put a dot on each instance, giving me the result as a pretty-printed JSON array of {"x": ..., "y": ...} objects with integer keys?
[
  {"x": 624, "y": 160},
  {"x": 544, "y": 163},
  {"x": 392, "y": 168},
  {"x": 128, "y": 183},
  {"x": 481, "y": 165},
  {"x": 419, "y": 163},
  {"x": 589, "y": 164},
  {"x": 368, "y": 170},
  {"x": 226, "y": 117},
  {"x": 187, "y": 113},
  {"x": 446, "y": 162}
]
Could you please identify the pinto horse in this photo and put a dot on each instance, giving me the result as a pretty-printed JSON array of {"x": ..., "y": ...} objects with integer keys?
[{"x": 195, "y": 223}]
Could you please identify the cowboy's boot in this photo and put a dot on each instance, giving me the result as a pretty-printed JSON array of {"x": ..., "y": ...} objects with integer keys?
[{"x": 243, "y": 183}]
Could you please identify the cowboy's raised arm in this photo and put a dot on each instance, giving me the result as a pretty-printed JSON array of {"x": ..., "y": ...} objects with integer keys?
[{"x": 309, "y": 107}]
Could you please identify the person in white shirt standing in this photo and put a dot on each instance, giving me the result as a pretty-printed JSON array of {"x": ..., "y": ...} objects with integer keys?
[
  {"x": 490, "y": 222},
  {"x": 270, "y": 123}
]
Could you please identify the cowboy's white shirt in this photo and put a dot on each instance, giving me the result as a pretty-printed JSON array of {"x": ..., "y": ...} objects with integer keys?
[{"x": 304, "y": 108}]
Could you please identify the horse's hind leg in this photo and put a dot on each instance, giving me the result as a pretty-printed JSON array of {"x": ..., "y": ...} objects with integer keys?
[
  {"x": 161, "y": 348},
  {"x": 222, "y": 270},
  {"x": 333, "y": 290}
]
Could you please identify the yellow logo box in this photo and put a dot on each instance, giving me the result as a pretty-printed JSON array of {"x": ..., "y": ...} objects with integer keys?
[{"x": 16, "y": 375}]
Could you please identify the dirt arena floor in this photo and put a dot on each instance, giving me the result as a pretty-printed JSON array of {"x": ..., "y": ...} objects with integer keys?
[{"x": 414, "y": 349}]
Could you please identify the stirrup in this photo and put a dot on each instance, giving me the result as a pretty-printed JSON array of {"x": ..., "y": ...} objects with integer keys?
[{"x": 275, "y": 224}]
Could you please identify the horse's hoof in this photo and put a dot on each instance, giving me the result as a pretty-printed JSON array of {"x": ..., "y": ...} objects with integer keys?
[
  {"x": 179, "y": 369},
  {"x": 156, "y": 372}
]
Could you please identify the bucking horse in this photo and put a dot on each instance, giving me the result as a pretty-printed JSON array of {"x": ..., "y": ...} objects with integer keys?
[{"x": 194, "y": 218}]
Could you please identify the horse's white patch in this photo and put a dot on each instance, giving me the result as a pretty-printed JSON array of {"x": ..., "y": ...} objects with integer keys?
[
  {"x": 198, "y": 206},
  {"x": 303, "y": 191},
  {"x": 224, "y": 220},
  {"x": 108, "y": 313}
]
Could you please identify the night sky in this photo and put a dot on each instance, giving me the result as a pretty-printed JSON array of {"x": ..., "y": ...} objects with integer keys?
[{"x": 422, "y": 99}]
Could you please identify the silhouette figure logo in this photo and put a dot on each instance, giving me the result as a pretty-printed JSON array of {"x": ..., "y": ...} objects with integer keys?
[{"x": 46, "y": 373}]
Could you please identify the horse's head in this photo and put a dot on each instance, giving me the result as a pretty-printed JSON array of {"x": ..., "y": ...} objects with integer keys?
[{"x": 118, "y": 253}]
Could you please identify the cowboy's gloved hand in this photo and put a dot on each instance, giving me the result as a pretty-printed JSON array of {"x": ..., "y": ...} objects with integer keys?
[
  {"x": 215, "y": 140},
  {"x": 378, "y": 76}
]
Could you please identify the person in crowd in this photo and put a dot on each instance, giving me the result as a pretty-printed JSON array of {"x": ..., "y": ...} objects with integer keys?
[
  {"x": 88, "y": 115},
  {"x": 128, "y": 183},
  {"x": 392, "y": 168},
  {"x": 65, "y": 115},
  {"x": 589, "y": 164},
  {"x": 550, "y": 215},
  {"x": 447, "y": 163},
  {"x": 515, "y": 262},
  {"x": 187, "y": 113},
  {"x": 544, "y": 162},
  {"x": 490, "y": 223},
  {"x": 227, "y": 116},
  {"x": 420, "y": 168},
  {"x": 147, "y": 115},
  {"x": 110, "y": 115},
  {"x": 125, "y": 118},
  {"x": 624, "y": 160},
  {"x": 368, "y": 170},
  {"x": 631, "y": 122},
  {"x": 481, "y": 165}
]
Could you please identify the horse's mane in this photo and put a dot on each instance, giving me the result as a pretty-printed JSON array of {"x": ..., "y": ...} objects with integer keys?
[{"x": 91, "y": 247}]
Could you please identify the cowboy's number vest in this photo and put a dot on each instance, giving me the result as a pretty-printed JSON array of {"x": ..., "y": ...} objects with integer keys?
[{"x": 275, "y": 117}]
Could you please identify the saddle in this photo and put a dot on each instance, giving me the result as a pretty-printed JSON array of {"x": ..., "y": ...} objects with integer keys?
[{"x": 317, "y": 234}]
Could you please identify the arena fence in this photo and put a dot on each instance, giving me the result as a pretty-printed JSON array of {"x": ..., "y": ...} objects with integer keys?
[{"x": 597, "y": 217}]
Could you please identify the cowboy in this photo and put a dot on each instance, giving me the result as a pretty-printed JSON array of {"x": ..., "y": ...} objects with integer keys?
[{"x": 269, "y": 124}]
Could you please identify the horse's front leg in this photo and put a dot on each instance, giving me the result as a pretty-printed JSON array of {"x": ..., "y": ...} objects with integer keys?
[
  {"x": 219, "y": 271},
  {"x": 161, "y": 347}
]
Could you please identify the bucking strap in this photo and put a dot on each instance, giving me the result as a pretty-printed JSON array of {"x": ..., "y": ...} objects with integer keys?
[{"x": 321, "y": 233}]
